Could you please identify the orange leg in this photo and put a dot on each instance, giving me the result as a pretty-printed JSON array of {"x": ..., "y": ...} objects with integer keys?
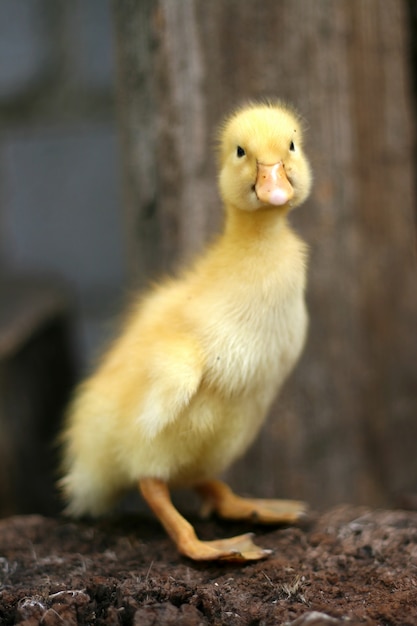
[
  {"x": 239, "y": 549},
  {"x": 218, "y": 497}
]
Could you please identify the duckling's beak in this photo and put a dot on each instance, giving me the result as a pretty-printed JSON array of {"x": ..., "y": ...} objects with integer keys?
[{"x": 272, "y": 185}]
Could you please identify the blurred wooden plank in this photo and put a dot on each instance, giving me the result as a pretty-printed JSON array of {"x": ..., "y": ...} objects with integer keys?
[
  {"x": 37, "y": 372},
  {"x": 25, "y": 303}
]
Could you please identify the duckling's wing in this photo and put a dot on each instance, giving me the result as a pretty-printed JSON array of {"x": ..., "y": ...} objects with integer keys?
[{"x": 174, "y": 374}]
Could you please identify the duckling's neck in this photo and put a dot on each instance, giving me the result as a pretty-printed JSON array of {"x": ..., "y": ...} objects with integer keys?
[{"x": 262, "y": 224}]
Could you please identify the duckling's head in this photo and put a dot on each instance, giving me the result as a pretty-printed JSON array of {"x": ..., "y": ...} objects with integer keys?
[{"x": 262, "y": 163}]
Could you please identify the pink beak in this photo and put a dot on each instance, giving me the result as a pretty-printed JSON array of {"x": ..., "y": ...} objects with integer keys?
[{"x": 272, "y": 185}]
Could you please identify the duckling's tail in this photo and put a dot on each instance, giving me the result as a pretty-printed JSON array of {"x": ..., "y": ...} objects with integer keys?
[{"x": 85, "y": 496}]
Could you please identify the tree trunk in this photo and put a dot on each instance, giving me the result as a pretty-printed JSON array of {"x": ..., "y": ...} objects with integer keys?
[{"x": 345, "y": 427}]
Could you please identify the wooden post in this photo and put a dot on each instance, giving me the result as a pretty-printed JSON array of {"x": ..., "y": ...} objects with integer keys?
[{"x": 345, "y": 426}]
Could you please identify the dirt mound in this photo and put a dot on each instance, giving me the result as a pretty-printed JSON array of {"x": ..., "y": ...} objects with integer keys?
[{"x": 348, "y": 566}]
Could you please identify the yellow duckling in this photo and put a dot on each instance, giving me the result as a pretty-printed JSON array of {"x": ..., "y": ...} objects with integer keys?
[{"x": 185, "y": 388}]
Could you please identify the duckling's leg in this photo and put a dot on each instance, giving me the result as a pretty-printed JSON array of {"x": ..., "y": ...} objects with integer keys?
[
  {"x": 239, "y": 549},
  {"x": 218, "y": 497}
]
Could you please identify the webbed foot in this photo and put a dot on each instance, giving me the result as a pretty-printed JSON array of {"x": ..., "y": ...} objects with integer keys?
[
  {"x": 235, "y": 549},
  {"x": 218, "y": 497}
]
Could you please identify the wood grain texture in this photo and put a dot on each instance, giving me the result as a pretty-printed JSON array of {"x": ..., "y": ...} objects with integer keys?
[{"x": 345, "y": 427}]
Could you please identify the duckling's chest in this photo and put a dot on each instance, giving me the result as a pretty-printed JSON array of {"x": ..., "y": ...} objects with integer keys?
[{"x": 256, "y": 335}]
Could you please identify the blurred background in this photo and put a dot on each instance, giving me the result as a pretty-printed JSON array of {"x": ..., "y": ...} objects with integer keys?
[{"x": 108, "y": 177}]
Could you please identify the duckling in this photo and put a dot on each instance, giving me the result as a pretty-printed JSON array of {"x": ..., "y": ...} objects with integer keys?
[{"x": 185, "y": 388}]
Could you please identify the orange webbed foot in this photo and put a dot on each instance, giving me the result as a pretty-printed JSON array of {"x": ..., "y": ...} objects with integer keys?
[{"x": 218, "y": 497}]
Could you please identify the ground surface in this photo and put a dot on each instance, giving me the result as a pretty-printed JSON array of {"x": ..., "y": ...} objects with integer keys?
[{"x": 348, "y": 566}]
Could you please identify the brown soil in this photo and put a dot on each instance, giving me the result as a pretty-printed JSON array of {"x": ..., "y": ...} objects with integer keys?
[{"x": 349, "y": 566}]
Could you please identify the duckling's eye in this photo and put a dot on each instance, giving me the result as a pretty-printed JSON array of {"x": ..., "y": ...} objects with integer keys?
[
  {"x": 292, "y": 147},
  {"x": 240, "y": 152}
]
